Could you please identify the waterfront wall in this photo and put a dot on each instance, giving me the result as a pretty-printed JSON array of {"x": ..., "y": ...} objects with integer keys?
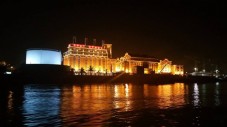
[{"x": 120, "y": 78}]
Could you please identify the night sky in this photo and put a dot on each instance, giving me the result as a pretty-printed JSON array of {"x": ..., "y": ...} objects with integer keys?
[{"x": 184, "y": 32}]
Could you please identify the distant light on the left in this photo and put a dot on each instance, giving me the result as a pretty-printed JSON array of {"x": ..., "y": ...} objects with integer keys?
[{"x": 8, "y": 72}]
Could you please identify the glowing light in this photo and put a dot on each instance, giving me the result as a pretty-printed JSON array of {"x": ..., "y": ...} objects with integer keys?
[
  {"x": 195, "y": 69},
  {"x": 117, "y": 69},
  {"x": 146, "y": 71},
  {"x": 8, "y": 72},
  {"x": 196, "y": 95},
  {"x": 41, "y": 56},
  {"x": 96, "y": 69},
  {"x": 126, "y": 90},
  {"x": 126, "y": 71},
  {"x": 217, "y": 94},
  {"x": 116, "y": 92},
  {"x": 76, "y": 68},
  {"x": 217, "y": 83}
]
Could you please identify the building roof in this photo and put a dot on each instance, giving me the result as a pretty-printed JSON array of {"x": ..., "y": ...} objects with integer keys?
[
  {"x": 142, "y": 57},
  {"x": 43, "y": 49}
]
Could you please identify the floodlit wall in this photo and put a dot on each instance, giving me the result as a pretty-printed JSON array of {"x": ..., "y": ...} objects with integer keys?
[
  {"x": 43, "y": 56},
  {"x": 89, "y": 57}
]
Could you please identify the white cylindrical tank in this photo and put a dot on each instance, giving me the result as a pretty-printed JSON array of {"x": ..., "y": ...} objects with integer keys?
[{"x": 43, "y": 56}]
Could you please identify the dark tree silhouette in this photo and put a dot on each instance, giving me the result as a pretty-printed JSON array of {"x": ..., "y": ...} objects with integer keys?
[
  {"x": 82, "y": 71},
  {"x": 91, "y": 69}
]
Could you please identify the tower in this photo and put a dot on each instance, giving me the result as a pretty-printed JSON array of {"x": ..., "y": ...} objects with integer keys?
[{"x": 109, "y": 49}]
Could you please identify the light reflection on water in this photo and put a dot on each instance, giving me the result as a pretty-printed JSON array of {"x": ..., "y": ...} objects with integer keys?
[
  {"x": 171, "y": 95},
  {"x": 10, "y": 100},
  {"x": 41, "y": 105},
  {"x": 176, "y": 104},
  {"x": 196, "y": 95}
]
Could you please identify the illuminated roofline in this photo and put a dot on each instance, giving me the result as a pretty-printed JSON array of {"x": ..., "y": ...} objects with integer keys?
[
  {"x": 144, "y": 61},
  {"x": 84, "y": 55},
  {"x": 45, "y": 49},
  {"x": 74, "y": 45},
  {"x": 90, "y": 48}
]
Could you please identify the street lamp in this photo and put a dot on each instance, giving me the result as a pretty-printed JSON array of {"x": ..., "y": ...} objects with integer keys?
[{"x": 196, "y": 69}]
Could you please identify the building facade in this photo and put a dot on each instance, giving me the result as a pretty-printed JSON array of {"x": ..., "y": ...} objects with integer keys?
[
  {"x": 98, "y": 59},
  {"x": 166, "y": 67},
  {"x": 130, "y": 63},
  {"x": 90, "y": 58}
]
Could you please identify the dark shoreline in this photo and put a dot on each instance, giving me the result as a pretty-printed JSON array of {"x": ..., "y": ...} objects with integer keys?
[{"x": 121, "y": 78}]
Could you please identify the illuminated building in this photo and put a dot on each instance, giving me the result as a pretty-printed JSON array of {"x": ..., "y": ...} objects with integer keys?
[
  {"x": 177, "y": 69},
  {"x": 166, "y": 67},
  {"x": 96, "y": 59},
  {"x": 43, "y": 56},
  {"x": 129, "y": 62},
  {"x": 44, "y": 64}
]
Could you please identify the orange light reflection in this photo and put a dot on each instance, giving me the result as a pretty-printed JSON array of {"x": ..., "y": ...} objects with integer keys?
[{"x": 168, "y": 95}]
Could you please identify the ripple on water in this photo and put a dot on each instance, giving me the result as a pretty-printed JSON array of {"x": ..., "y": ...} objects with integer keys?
[{"x": 116, "y": 105}]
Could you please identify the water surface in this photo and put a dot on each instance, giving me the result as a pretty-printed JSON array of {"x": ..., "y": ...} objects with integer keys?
[{"x": 176, "y": 104}]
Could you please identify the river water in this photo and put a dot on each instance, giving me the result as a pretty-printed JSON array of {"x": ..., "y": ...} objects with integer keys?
[{"x": 92, "y": 105}]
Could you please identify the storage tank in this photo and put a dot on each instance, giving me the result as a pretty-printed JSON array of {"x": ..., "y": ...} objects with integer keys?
[{"x": 43, "y": 56}]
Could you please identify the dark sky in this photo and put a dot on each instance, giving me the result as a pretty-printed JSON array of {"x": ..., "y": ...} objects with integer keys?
[{"x": 183, "y": 32}]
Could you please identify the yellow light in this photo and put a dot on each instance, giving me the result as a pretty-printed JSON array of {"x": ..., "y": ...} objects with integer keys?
[
  {"x": 76, "y": 68},
  {"x": 146, "y": 71},
  {"x": 126, "y": 71},
  {"x": 126, "y": 90},
  {"x": 117, "y": 69}
]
